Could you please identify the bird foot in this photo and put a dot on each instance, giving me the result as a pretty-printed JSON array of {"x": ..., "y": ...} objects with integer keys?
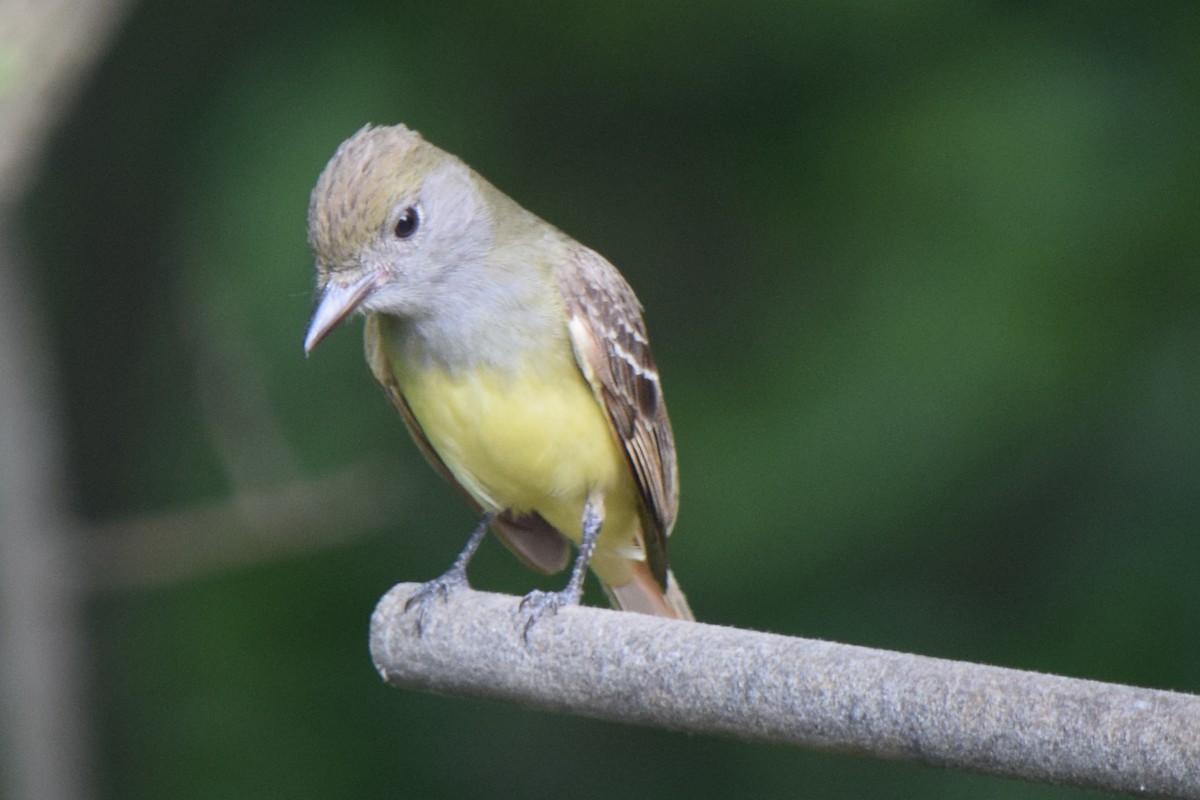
[
  {"x": 537, "y": 604},
  {"x": 434, "y": 591}
]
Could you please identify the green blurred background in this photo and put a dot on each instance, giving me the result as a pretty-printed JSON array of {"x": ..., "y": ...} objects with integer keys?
[{"x": 921, "y": 278}]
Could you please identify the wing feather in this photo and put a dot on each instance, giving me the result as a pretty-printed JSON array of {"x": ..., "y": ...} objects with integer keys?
[{"x": 612, "y": 349}]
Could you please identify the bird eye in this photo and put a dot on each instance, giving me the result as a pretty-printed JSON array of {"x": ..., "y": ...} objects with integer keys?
[{"x": 406, "y": 226}]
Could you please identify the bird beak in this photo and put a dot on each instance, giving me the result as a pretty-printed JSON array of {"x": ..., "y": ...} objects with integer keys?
[{"x": 337, "y": 301}]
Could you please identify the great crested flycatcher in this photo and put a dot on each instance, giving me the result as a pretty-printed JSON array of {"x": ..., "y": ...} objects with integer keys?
[{"x": 518, "y": 359}]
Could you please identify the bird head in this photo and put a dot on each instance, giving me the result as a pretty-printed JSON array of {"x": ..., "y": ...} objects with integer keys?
[{"x": 391, "y": 220}]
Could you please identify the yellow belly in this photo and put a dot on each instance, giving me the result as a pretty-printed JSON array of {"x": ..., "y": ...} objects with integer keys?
[{"x": 532, "y": 438}]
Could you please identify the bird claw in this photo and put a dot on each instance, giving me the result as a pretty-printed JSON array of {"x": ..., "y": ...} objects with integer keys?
[
  {"x": 437, "y": 590},
  {"x": 537, "y": 603}
]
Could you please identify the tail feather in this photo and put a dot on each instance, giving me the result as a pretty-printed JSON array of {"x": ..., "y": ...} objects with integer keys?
[{"x": 643, "y": 595}]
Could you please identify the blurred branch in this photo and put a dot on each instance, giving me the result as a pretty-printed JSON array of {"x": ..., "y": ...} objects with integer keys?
[
  {"x": 45, "y": 49},
  {"x": 43, "y": 664},
  {"x": 763, "y": 687},
  {"x": 249, "y": 528}
]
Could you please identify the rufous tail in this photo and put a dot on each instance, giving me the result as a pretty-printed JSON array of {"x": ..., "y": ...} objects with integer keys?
[{"x": 643, "y": 595}]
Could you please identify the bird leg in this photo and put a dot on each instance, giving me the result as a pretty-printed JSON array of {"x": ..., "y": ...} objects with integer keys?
[
  {"x": 537, "y": 602},
  {"x": 451, "y": 580}
]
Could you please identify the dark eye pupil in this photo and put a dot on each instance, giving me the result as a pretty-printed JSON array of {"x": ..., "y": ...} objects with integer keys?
[{"x": 406, "y": 226}]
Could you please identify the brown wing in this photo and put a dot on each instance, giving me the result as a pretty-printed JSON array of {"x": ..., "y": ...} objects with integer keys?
[
  {"x": 531, "y": 538},
  {"x": 613, "y": 352}
]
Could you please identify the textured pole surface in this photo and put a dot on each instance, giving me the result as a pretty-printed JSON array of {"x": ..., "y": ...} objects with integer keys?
[{"x": 765, "y": 687}]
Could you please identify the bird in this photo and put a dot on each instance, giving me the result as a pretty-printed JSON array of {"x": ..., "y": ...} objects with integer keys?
[{"x": 519, "y": 361}]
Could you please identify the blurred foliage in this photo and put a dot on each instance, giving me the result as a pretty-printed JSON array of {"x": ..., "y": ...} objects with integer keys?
[{"x": 921, "y": 276}]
